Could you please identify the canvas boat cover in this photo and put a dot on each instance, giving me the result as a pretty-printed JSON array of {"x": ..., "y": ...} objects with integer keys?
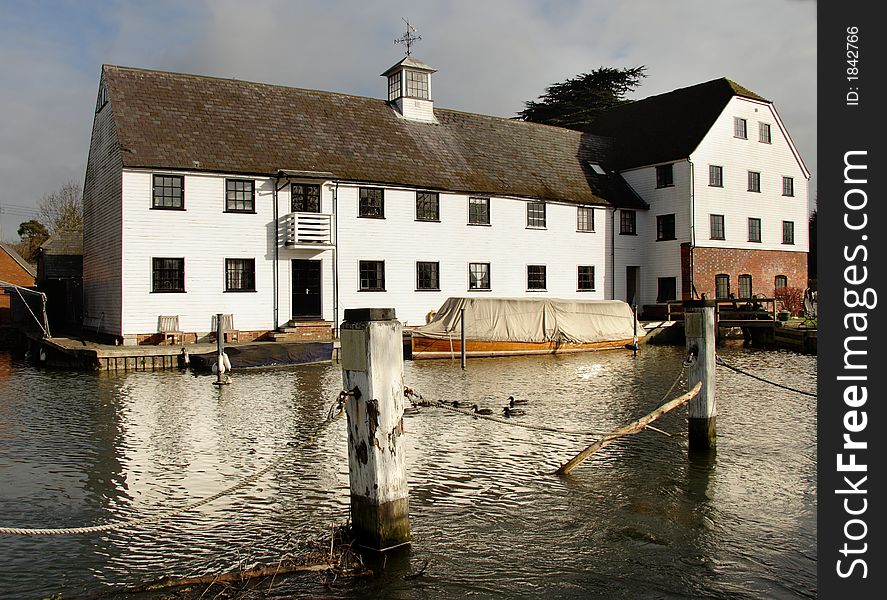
[{"x": 533, "y": 320}]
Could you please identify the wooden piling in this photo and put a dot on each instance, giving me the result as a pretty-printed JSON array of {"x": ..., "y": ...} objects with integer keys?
[
  {"x": 221, "y": 378},
  {"x": 462, "y": 336},
  {"x": 372, "y": 370},
  {"x": 700, "y": 332}
]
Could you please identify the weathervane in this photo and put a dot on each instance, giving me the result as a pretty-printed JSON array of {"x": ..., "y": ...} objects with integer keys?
[{"x": 408, "y": 38}]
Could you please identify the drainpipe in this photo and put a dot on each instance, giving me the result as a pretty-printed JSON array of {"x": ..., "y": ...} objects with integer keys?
[
  {"x": 613, "y": 255},
  {"x": 336, "y": 260},
  {"x": 276, "y": 266},
  {"x": 692, "y": 225}
]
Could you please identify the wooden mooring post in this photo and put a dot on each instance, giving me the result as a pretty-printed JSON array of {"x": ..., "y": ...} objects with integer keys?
[
  {"x": 222, "y": 362},
  {"x": 372, "y": 371},
  {"x": 700, "y": 331}
]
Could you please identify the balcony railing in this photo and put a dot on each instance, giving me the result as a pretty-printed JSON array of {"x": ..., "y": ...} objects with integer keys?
[{"x": 307, "y": 229}]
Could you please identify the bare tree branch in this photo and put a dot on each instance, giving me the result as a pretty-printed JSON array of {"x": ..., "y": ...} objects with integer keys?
[{"x": 62, "y": 209}]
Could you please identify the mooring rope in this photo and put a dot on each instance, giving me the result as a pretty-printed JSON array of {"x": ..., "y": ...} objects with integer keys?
[
  {"x": 417, "y": 400},
  {"x": 724, "y": 363},
  {"x": 334, "y": 411}
]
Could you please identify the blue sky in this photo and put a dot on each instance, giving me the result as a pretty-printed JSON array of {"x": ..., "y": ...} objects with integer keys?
[{"x": 492, "y": 56}]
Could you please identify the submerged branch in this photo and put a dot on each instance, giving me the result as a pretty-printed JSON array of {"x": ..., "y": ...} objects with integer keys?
[{"x": 633, "y": 427}]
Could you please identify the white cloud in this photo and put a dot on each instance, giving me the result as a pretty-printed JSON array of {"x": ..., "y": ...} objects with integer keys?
[{"x": 492, "y": 56}]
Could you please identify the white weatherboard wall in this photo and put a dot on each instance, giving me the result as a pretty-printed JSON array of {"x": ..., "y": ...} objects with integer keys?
[
  {"x": 324, "y": 254},
  {"x": 734, "y": 201},
  {"x": 660, "y": 258},
  {"x": 204, "y": 235},
  {"x": 102, "y": 250},
  {"x": 507, "y": 244}
]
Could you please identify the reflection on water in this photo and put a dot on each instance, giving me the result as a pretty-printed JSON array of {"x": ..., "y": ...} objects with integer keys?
[{"x": 639, "y": 520}]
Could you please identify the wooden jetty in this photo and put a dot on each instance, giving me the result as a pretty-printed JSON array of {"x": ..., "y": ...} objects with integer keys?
[
  {"x": 757, "y": 318},
  {"x": 75, "y": 353}
]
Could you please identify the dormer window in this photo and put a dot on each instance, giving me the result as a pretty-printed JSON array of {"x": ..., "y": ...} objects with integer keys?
[
  {"x": 103, "y": 97},
  {"x": 417, "y": 85}
]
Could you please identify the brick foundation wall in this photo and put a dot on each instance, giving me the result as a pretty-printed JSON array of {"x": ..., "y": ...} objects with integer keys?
[{"x": 762, "y": 265}]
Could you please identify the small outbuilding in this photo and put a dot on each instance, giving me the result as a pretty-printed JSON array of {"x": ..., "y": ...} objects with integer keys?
[{"x": 60, "y": 277}]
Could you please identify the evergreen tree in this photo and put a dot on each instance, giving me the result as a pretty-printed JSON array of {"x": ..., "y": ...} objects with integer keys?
[
  {"x": 32, "y": 234},
  {"x": 575, "y": 102}
]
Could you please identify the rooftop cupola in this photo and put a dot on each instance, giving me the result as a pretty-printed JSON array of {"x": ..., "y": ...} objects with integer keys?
[{"x": 409, "y": 84}]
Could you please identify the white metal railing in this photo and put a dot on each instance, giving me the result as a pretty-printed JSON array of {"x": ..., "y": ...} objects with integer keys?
[{"x": 308, "y": 229}]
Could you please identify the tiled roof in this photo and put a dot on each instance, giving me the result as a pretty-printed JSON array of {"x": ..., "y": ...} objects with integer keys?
[
  {"x": 64, "y": 243},
  {"x": 668, "y": 126},
  {"x": 18, "y": 259},
  {"x": 176, "y": 121}
]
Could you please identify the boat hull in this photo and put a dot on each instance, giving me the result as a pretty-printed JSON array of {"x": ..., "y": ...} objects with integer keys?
[{"x": 428, "y": 348}]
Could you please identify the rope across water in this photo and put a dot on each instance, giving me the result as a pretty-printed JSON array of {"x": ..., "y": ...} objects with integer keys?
[
  {"x": 724, "y": 363},
  {"x": 334, "y": 412}
]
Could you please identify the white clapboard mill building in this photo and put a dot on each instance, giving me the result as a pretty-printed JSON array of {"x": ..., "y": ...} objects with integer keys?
[{"x": 282, "y": 207}]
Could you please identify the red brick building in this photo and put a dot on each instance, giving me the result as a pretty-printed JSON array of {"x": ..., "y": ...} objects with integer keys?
[{"x": 15, "y": 270}]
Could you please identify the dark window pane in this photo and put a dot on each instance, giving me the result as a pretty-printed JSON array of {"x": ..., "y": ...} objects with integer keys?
[
  {"x": 788, "y": 232},
  {"x": 427, "y": 276},
  {"x": 535, "y": 214},
  {"x": 717, "y": 227},
  {"x": 240, "y": 195},
  {"x": 716, "y": 176},
  {"x": 479, "y": 276},
  {"x": 168, "y": 192},
  {"x": 754, "y": 230},
  {"x": 665, "y": 229},
  {"x": 585, "y": 278},
  {"x": 754, "y": 181},
  {"x": 479, "y": 211},
  {"x": 535, "y": 277},
  {"x": 664, "y": 176},
  {"x": 722, "y": 286},
  {"x": 372, "y": 275},
  {"x": 417, "y": 85},
  {"x": 240, "y": 274},
  {"x": 745, "y": 286},
  {"x": 168, "y": 275},
  {"x": 305, "y": 197},
  {"x": 427, "y": 206},
  {"x": 371, "y": 202},
  {"x": 627, "y": 222},
  {"x": 585, "y": 218}
]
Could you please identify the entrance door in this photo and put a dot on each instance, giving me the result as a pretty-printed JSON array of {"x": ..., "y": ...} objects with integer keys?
[
  {"x": 306, "y": 289},
  {"x": 632, "y": 275}
]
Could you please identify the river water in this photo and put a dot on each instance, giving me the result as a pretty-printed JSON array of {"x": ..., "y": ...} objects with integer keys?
[{"x": 641, "y": 519}]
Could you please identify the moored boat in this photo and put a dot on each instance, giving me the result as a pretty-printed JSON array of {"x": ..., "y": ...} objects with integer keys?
[{"x": 519, "y": 326}]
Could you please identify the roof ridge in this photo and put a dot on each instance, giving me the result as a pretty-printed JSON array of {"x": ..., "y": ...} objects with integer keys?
[
  {"x": 738, "y": 90},
  {"x": 247, "y": 81},
  {"x": 331, "y": 93}
]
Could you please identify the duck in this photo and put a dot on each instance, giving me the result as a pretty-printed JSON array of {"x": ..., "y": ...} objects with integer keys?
[
  {"x": 513, "y": 412},
  {"x": 458, "y": 404},
  {"x": 512, "y": 401},
  {"x": 482, "y": 411}
]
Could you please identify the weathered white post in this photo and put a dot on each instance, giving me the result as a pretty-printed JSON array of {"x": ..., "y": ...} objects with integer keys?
[
  {"x": 372, "y": 369},
  {"x": 222, "y": 363},
  {"x": 462, "y": 336},
  {"x": 699, "y": 328}
]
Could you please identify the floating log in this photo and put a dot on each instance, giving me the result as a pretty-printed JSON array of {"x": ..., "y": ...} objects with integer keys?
[{"x": 633, "y": 427}]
